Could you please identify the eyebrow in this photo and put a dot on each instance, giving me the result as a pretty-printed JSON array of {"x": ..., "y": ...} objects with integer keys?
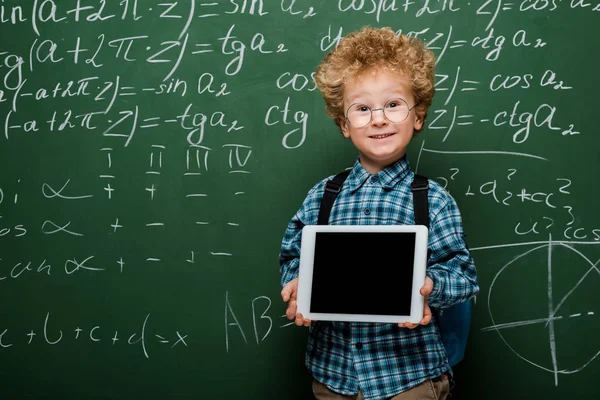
[{"x": 354, "y": 101}]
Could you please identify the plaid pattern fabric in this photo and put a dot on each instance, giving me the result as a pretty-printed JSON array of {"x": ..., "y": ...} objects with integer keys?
[{"x": 383, "y": 359}]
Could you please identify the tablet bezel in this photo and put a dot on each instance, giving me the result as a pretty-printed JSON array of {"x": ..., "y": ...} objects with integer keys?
[{"x": 307, "y": 251}]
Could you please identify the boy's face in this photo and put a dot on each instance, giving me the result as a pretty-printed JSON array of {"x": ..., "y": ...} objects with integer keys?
[{"x": 380, "y": 142}]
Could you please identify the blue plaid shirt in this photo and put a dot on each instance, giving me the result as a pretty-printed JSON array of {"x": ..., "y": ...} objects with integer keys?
[{"x": 383, "y": 360}]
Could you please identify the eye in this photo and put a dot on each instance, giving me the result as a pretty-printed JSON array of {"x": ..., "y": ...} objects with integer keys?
[{"x": 394, "y": 103}]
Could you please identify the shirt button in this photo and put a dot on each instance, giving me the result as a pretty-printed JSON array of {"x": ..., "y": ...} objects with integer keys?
[
  {"x": 374, "y": 178},
  {"x": 358, "y": 346},
  {"x": 367, "y": 211}
]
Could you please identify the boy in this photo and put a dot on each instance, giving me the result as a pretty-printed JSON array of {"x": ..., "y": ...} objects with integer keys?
[{"x": 378, "y": 86}]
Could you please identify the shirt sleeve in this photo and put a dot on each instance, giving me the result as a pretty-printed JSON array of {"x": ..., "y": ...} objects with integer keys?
[
  {"x": 450, "y": 264},
  {"x": 289, "y": 255}
]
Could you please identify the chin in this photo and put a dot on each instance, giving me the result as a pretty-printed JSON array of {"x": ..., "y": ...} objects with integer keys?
[{"x": 388, "y": 156}]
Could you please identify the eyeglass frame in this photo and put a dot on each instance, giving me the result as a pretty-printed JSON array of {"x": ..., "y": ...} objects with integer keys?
[{"x": 382, "y": 109}]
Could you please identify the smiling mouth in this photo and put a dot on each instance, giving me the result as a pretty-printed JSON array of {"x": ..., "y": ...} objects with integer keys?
[{"x": 381, "y": 136}]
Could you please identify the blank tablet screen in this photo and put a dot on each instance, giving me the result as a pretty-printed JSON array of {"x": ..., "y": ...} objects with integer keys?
[{"x": 363, "y": 273}]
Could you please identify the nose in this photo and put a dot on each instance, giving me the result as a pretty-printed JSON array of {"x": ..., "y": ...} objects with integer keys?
[{"x": 377, "y": 117}]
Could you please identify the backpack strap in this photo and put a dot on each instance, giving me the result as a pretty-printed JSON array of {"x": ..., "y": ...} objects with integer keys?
[
  {"x": 332, "y": 189},
  {"x": 420, "y": 189},
  {"x": 419, "y": 186}
]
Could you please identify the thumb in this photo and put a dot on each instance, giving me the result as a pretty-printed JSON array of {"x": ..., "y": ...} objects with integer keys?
[
  {"x": 285, "y": 294},
  {"x": 427, "y": 287},
  {"x": 287, "y": 291}
]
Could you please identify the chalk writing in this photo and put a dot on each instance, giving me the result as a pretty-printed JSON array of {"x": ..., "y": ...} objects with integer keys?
[{"x": 152, "y": 152}]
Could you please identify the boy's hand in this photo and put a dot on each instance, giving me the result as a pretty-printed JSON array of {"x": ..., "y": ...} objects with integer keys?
[
  {"x": 289, "y": 294},
  {"x": 425, "y": 291}
]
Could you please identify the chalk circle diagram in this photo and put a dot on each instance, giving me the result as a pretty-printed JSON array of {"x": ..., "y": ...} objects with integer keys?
[{"x": 564, "y": 340}]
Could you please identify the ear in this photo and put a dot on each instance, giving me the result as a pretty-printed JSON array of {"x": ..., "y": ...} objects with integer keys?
[
  {"x": 344, "y": 127},
  {"x": 419, "y": 120}
]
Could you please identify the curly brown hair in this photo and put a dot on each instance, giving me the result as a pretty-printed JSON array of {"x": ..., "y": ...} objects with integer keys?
[{"x": 370, "y": 48}]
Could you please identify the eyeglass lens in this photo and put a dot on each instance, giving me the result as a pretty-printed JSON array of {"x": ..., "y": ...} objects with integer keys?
[{"x": 395, "y": 111}]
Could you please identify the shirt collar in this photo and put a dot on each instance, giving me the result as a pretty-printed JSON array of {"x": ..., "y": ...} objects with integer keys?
[{"x": 387, "y": 178}]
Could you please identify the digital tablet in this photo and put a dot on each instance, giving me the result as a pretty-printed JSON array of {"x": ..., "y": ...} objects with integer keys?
[{"x": 362, "y": 273}]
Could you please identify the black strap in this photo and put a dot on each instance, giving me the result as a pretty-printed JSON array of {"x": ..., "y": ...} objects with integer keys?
[
  {"x": 332, "y": 189},
  {"x": 420, "y": 189},
  {"x": 419, "y": 186}
]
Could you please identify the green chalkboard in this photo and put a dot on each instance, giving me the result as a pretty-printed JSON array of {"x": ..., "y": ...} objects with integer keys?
[{"x": 152, "y": 153}]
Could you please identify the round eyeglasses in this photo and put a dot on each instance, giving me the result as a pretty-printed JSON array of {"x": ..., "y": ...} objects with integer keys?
[{"x": 395, "y": 110}]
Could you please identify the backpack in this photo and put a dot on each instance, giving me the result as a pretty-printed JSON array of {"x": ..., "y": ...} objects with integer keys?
[{"x": 453, "y": 322}]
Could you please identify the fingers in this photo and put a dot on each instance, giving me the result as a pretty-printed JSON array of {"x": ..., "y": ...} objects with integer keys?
[
  {"x": 407, "y": 325},
  {"x": 424, "y": 321},
  {"x": 301, "y": 321},
  {"x": 426, "y": 314},
  {"x": 291, "y": 314}
]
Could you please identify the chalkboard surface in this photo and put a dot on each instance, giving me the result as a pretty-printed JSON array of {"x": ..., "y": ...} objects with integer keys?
[{"x": 152, "y": 153}]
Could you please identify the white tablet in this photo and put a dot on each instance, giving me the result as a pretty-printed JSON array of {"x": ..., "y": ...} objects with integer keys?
[{"x": 362, "y": 273}]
